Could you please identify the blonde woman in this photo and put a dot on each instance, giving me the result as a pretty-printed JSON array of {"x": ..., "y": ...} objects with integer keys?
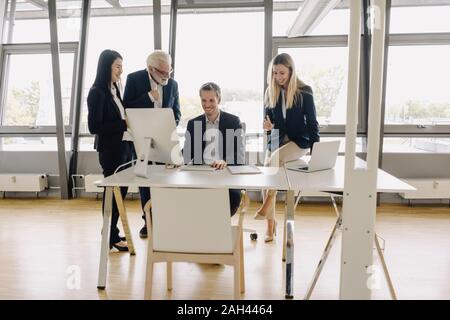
[{"x": 290, "y": 123}]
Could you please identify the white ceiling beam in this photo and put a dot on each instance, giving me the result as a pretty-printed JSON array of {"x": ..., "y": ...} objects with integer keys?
[
  {"x": 310, "y": 15},
  {"x": 39, "y": 3},
  {"x": 114, "y": 3},
  {"x": 165, "y": 9}
]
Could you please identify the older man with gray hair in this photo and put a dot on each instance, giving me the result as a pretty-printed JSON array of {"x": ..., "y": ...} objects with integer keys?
[{"x": 152, "y": 88}]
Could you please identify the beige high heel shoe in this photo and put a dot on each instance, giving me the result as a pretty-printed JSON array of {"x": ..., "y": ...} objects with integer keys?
[
  {"x": 259, "y": 216},
  {"x": 261, "y": 213},
  {"x": 269, "y": 237}
]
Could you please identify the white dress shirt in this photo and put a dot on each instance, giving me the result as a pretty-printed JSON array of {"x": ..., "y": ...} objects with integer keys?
[
  {"x": 157, "y": 87},
  {"x": 212, "y": 136},
  {"x": 127, "y": 136}
]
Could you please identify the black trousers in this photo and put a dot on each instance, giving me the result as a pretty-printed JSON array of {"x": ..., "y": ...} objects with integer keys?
[
  {"x": 109, "y": 161},
  {"x": 144, "y": 192},
  {"x": 235, "y": 200}
]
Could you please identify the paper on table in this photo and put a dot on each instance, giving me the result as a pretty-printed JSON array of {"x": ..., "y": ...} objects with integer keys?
[{"x": 243, "y": 170}]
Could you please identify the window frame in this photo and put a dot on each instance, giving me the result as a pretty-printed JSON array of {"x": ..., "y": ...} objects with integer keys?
[
  {"x": 223, "y": 8},
  {"x": 408, "y": 130},
  {"x": 9, "y": 50},
  {"x": 390, "y": 130},
  {"x": 324, "y": 42}
]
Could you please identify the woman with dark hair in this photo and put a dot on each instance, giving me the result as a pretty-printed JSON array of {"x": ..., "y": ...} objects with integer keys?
[
  {"x": 106, "y": 119},
  {"x": 290, "y": 122}
]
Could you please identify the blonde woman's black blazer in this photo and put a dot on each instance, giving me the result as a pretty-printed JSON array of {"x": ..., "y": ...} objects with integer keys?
[{"x": 301, "y": 125}]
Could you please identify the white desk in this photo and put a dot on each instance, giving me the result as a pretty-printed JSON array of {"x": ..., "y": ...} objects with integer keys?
[
  {"x": 291, "y": 181},
  {"x": 273, "y": 178},
  {"x": 175, "y": 178},
  {"x": 332, "y": 181}
]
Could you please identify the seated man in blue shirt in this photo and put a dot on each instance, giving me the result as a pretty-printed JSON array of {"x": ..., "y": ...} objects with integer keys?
[{"x": 215, "y": 138}]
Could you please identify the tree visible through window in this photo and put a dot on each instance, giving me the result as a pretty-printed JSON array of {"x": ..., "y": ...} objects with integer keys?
[{"x": 23, "y": 106}]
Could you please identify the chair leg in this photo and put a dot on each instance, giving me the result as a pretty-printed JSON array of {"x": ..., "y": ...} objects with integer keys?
[
  {"x": 169, "y": 275},
  {"x": 283, "y": 258},
  {"x": 241, "y": 264},
  {"x": 149, "y": 281},
  {"x": 236, "y": 267}
]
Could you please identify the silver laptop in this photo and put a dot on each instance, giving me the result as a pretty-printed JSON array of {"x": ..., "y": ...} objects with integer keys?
[{"x": 323, "y": 157}]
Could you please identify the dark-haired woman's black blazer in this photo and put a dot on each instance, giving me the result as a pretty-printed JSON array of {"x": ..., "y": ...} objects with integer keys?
[
  {"x": 301, "y": 125},
  {"x": 104, "y": 120}
]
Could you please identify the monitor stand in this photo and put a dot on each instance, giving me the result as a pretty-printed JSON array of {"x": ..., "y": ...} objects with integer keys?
[{"x": 141, "y": 169}]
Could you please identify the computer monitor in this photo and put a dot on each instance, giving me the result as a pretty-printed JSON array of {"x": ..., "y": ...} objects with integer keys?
[{"x": 155, "y": 137}]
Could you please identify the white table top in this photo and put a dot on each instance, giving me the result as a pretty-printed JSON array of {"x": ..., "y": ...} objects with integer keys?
[
  {"x": 270, "y": 178},
  {"x": 161, "y": 177},
  {"x": 333, "y": 179}
]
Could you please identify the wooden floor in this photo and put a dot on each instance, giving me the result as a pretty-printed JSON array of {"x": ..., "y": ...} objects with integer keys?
[{"x": 45, "y": 242}]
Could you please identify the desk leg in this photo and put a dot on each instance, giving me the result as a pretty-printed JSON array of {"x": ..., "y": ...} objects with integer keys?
[
  {"x": 103, "y": 268},
  {"x": 285, "y": 219},
  {"x": 323, "y": 259},
  {"x": 326, "y": 251},
  {"x": 289, "y": 244},
  {"x": 386, "y": 272},
  {"x": 124, "y": 219},
  {"x": 283, "y": 256}
]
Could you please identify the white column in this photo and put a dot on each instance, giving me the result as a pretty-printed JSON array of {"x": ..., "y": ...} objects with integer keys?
[
  {"x": 359, "y": 207},
  {"x": 2, "y": 18}
]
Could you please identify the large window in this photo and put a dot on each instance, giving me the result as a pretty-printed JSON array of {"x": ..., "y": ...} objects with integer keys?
[
  {"x": 325, "y": 70},
  {"x": 125, "y": 26},
  {"x": 29, "y": 92},
  {"x": 32, "y": 16},
  {"x": 417, "y": 113},
  {"x": 226, "y": 48},
  {"x": 416, "y": 145},
  {"x": 68, "y": 30},
  {"x": 134, "y": 50},
  {"x": 417, "y": 85},
  {"x": 420, "y": 19}
]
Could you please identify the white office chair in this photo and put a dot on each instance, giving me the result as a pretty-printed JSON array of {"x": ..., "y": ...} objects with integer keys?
[{"x": 194, "y": 225}]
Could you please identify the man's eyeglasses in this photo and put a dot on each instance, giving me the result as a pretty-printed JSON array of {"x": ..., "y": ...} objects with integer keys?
[{"x": 164, "y": 73}]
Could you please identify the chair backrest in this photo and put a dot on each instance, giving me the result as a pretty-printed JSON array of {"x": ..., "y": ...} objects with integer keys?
[{"x": 191, "y": 220}]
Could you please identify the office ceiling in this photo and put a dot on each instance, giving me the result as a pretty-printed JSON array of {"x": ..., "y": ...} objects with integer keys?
[{"x": 35, "y": 9}]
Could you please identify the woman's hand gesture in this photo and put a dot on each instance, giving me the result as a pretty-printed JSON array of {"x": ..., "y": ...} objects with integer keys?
[{"x": 267, "y": 125}]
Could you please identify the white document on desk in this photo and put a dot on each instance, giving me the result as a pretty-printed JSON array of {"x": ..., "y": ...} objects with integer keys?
[
  {"x": 191, "y": 167},
  {"x": 243, "y": 170}
]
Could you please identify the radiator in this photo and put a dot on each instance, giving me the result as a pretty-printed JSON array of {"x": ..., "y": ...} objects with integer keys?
[
  {"x": 428, "y": 189},
  {"x": 23, "y": 182},
  {"x": 89, "y": 184}
]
